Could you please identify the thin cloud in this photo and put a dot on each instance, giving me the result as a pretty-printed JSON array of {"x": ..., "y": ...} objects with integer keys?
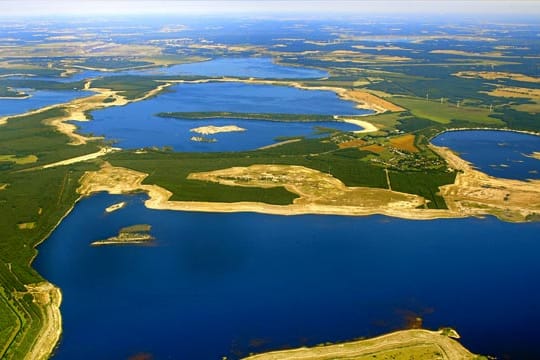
[{"x": 351, "y": 7}]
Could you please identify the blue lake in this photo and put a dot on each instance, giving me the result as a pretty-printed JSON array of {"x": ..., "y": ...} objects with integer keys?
[
  {"x": 238, "y": 67},
  {"x": 38, "y": 99},
  {"x": 502, "y": 154},
  {"x": 235, "y": 67},
  {"x": 216, "y": 285},
  {"x": 136, "y": 126}
]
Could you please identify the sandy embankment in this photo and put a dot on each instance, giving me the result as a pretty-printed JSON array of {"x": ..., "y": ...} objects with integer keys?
[
  {"x": 117, "y": 180},
  {"x": 210, "y": 130},
  {"x": 49, "y": 298},
  {"x": 433, "y": 344},
  {"x": 77, "y": 108},
  {"x": 472, "y": 194},
  {"x": 476, "y": 193}
]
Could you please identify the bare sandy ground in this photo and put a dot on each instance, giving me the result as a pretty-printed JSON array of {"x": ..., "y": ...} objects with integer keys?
[
  {"x": 406, "y": 344},
  {"x": 97, "y": 154},
  {"x": 476, "y": 193},
  {"x": 49, "y": 298}
]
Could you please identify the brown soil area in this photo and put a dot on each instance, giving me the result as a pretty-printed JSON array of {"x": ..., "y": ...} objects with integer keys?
[
  {"x": 405, "y": 142},
  {"x": 352, "y": 143},
  {"x": 374, "y": 148},
  {"x": 379, "y": 104}
]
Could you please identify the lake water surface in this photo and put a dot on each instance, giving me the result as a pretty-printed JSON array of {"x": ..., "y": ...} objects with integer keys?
[
  {"x": 136, "y": 126},
  {"x": 216, "y": 285},
  {"x": 502, "y": 154},
  {"x": 234, "y": 67}
]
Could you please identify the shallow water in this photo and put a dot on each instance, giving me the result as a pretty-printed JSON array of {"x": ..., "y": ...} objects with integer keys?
[
  {"x": 504, "y": 154},
  {"x": 136, "y": 126},
  {"x": 216, "y": 285}
]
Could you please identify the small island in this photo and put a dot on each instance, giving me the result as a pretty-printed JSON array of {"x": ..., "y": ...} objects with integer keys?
[
  {"x": 210, "y": 130},
  {"x": 203, "y": 139},
  {"x": 115, "y": 207},
  {"x": 136, "y": 234}
]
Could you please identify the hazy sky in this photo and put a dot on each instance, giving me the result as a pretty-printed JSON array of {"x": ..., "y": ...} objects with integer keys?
[{"x": 361, "y": 7}]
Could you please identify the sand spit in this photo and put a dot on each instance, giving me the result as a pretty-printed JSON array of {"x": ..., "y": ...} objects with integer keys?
[
  {"x": 49, "y": 298},
  {"x": 404, "y": 344},
  {"x": 210, "y": 130},
  {"x": 76, "y": 110}
]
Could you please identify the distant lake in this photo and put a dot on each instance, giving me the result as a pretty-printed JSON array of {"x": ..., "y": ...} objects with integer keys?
[
  {"x": 136, "y": 126},
  {"x": 39, "y": 99},
  {"x": 238, "y": 67},
  {"x": 216, "y": 285},
  {"x": 502, "y": 154},
  {"x": 235, "y": 67}
]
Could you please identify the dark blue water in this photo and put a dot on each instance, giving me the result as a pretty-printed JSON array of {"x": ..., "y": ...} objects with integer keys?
[
  {"x": 218, "y": 285},
  {"x": 502, "y": 154},
  {"x": 38, "y": 99},
  {"x": 136, "y": 126}
]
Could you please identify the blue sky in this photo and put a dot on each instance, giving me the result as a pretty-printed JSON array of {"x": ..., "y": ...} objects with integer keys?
[{"x": 362, "y": 7}]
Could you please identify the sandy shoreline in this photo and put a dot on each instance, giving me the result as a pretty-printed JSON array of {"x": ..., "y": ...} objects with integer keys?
[
  {"x": 49, "y": 298},
  {"x": 367, "y": 126},
  {"x": 472, "y": 194},
  {"x": 436, "y": 341},
  {"x": 117, "y": 180}
]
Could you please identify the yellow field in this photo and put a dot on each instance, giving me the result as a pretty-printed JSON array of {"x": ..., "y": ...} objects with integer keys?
[
  {"x": 515, "y": 92},
  {"x": 494, "y": 75},
  {"x": 405, "y": 142},
  {"x": 29, "y": 159},
  {"x": 26, "y": 226}
]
